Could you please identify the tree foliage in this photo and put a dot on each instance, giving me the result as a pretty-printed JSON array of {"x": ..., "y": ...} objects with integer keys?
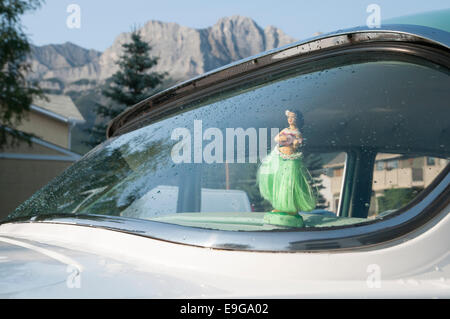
[
  {"x": 395, "y": 198},
  {"x": 16, "y": 92},
  {"x": 128, "y": 86}
]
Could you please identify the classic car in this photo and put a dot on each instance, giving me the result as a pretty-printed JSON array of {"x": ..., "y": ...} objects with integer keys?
[{"x": 132, "y": 218}]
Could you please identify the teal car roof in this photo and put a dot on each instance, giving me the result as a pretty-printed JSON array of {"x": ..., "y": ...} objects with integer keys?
[{"x": 439, "y": 19}]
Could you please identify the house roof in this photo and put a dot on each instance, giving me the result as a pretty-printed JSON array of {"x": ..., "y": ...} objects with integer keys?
[
  {"x": 36, "y": 154},
  {"x": 339, "y": 160},
  {"x": 385, "y": 156},
  {"x": 58, "y": 106}
]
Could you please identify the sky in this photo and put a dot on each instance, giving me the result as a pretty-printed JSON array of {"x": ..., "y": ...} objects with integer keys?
[{"x": 101, "y": 21}]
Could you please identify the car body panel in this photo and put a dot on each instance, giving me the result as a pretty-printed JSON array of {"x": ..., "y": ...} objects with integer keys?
[
  {"x": 120, "y": 265},
  {"x": 31, "y": 269}
]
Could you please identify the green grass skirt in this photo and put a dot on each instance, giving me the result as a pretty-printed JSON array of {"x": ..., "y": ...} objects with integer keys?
[{"x": 285, "y": 183}]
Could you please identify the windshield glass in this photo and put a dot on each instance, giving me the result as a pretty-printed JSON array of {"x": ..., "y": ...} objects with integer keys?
[{"x": 258, "y": 156}]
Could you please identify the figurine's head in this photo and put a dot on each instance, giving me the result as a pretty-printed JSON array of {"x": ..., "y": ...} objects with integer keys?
[{"x": 294, "y": 118}]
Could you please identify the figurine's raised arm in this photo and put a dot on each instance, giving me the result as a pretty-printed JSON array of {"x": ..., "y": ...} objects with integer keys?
[{"x": 280, "y": 138}]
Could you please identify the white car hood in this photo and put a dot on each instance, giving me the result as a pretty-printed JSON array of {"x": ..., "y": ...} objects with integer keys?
[{"x": 33, "y": 270}]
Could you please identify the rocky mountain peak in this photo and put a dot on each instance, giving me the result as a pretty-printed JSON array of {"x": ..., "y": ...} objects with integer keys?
[{"x": 183, "y": 52}]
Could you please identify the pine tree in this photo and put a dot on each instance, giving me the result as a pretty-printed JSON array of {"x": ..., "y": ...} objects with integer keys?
[
  {"x": 128, "y": 86},
  {"x": 16, "y": 92}
]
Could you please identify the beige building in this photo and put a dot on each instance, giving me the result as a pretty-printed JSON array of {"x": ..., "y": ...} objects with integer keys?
[
  {"x": 24, "y": 169},
  {"x": 391, "y": 171},
  {"x": 332, "y": 181}
]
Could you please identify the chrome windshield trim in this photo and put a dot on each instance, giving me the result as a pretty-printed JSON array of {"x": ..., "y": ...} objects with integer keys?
[
  {"x": 338, "y": 39},
  {"x": 358, "y": 236}
]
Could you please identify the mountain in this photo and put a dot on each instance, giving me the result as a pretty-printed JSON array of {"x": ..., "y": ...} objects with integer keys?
[
  {"x": 58, "y": 64},
  {"x": 183, "y": 52}
]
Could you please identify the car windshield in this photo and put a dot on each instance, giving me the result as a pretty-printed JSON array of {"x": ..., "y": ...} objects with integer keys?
[{"x": 339, "y": 142}]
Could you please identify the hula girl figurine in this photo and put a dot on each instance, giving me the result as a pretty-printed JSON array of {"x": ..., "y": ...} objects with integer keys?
[{"x": 284, "y": 180}]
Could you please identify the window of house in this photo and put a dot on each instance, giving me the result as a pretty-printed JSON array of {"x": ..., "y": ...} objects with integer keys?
[
  {"x": 380, "y": 165},
  {"x": 392, "y": 164},
  {"x": 393, "y": 190},
  {"x": 431, "y": 161}
]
